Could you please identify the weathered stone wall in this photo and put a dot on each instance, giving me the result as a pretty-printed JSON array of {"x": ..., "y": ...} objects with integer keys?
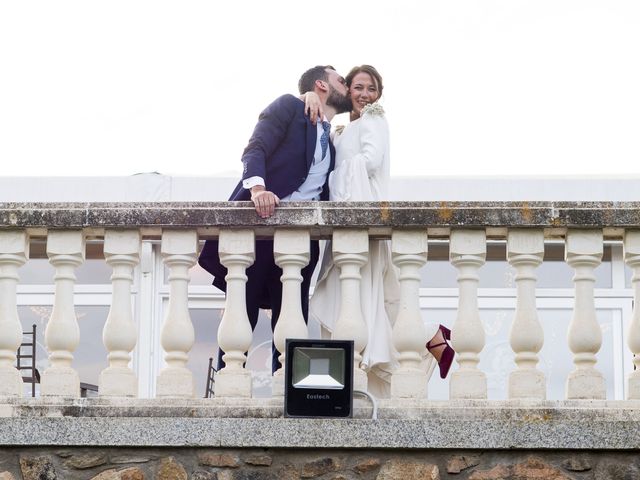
[{"x": 288, "y": 464}]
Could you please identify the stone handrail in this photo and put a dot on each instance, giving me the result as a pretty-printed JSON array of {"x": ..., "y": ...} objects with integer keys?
[
  {"x": 320, "y": 217},
  {"x": 408, "y": 225}
]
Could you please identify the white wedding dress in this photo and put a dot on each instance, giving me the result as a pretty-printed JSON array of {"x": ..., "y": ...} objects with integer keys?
[{"x": 362, "y": 174}]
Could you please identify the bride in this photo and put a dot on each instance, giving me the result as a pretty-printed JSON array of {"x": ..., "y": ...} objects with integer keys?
[{"x": 362, "y": 174}]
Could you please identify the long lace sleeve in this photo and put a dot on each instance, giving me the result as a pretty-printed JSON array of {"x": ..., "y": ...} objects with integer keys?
[
  {"x": 363, "y": 176},
  {"x": 374, "y": 141}
]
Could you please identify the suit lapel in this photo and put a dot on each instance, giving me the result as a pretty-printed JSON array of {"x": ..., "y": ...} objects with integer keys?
[{"x": 312, "y": 135}]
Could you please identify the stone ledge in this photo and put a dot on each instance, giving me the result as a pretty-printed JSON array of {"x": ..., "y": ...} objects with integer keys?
[
  {"x": 322, "y": 215},
  {"x": 415, "y": 425}
]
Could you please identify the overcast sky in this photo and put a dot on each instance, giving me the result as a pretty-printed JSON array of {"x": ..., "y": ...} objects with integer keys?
[{"x": 491, "y": 87}]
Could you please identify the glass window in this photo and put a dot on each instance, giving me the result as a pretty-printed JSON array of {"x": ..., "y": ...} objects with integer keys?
[
  {"x": 94, "y": 271},
  {"x": 556, "y": 360},
  {"x": 628, "y": 274},
  {"x": 89, "y": 358},
  {"x": 38, "y": 271},
  {"x": 554, "y": 272},
  {"x": 438, "y": 274},
  {"x": 205, "y": 323},
  {"x": 197, "y": 275}
]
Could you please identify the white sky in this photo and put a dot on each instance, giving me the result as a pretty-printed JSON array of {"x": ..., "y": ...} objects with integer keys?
[{"x": 471, "y": 87}]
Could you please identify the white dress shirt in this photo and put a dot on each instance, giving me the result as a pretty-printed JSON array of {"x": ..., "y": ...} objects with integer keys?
[{"x": 311, "y": 188}]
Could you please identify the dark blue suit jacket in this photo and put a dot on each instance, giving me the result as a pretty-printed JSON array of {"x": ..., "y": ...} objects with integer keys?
[{"x": 281, "y": 152}]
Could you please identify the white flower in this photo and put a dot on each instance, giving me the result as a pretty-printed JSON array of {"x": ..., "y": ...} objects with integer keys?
[{"x": 373, "y": 109}]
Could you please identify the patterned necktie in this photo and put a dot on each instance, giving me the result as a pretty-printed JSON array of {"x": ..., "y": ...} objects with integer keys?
[{"x": 324, "y": 139}]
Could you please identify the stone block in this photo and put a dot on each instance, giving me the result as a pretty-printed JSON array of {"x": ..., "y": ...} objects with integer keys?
[
  {"x": 237, "y": 242},
  {"x": 259, "y": 460},
  {"x": 525, "y": 242},
  {"x": 38, "y": 468},
  {"x": 366, "y": 466},
  {"x": 473, "y": 384},
  {"x": 66, "y": 242},
  {"x": 84, "y": 461},
  {"x": 527, "y": 384},
  {"x": 468, "y": 242},
  {"x": 577, "y": 463},
  {"x": 247, "y": 475},
  {"x": 409, "y": 242},
  {"x": 212, "y": 459},
  {"x": 499, "y": 472},
  {"x": 170, "y": 469},
  {"x": 398, "y": 469},
  {"x": 129, "y": 459},
  {"x": 409, "y": 383},
  {"x": 202, "y": 475},
  {"x": 234, "y": 384},
  {"x": 14, "y": 242},
  {"x": 288, "y": 472},
  {"x": 179, "y": 242},
  {"x": 132, "y": 473},
  {"x": 60, "y": 382},
  {"x": 458, "y": 463},
  {"x": 287, "y": 241},
  {"x": 533, "y": 468},
  {"x": 175, "y": 383},
  {"x": 122, "y": 242},
  {"x": 350, "y": 241},
  {"x": 631, "y": 244},
  {"x": 586, "y": 384},
  {"x": 584, "y": 242},
  {"x": 612, "y": 469},
  {"x": 320, "y": 466}
]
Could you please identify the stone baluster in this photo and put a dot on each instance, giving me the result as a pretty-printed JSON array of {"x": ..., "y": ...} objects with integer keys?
[
  {"x": 584, "y": 253},
  {"x": 409, "y": 251},
  {"x": 14, "y": 252},
  {"x": 66, "y": 251},
  {"x": 525, "y": 252},
  {"x": 467, "y": 252},
  {"x": 179, "y": 252},
  {"x": 122, "y": 253},
  {"x": 632, "y": 258},
  {"x": 350, "y": 253},
  {"x": 291, "y": 249},
  {"x": 237, "y": 253}
]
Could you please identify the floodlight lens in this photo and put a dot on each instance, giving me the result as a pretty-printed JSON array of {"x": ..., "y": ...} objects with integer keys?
[{"x": 318, "y": 368}]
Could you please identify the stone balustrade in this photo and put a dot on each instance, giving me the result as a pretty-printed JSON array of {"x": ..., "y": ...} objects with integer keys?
[{"x": 408, "y": 226}]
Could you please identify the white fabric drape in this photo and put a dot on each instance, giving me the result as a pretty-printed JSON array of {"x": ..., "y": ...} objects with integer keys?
[{"x": 362, "y": 174}]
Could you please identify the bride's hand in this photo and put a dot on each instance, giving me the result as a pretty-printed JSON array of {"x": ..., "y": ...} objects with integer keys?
[{"x": 312, "y": 106}]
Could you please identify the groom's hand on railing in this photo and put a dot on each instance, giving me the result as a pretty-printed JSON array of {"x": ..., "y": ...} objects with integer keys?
[{"x": 264, "y": 200}]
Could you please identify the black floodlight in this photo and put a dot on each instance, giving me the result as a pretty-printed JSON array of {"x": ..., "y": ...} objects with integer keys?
[{"x": 318, "y": 378}]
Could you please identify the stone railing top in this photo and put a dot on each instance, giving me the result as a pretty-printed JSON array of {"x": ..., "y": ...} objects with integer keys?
[
  {"x": 255, "y": 423},
  {"x": 322, "y": 217}
]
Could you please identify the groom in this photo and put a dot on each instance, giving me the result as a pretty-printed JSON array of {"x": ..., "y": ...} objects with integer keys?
[{"x": 287, "y": 159}]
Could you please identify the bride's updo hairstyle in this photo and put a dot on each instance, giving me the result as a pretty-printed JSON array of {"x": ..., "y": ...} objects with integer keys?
[{"x": 373, "y": 73}]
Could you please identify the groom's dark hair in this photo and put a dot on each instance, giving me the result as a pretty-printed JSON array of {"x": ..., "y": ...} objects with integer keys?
[{"x": 308, "y": 78}]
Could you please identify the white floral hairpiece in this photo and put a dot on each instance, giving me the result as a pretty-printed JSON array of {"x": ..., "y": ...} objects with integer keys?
[{"x": 373, "y": 109}]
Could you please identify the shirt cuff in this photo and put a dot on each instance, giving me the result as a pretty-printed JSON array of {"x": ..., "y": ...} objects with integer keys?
[{"x": 252, "y": 182}]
